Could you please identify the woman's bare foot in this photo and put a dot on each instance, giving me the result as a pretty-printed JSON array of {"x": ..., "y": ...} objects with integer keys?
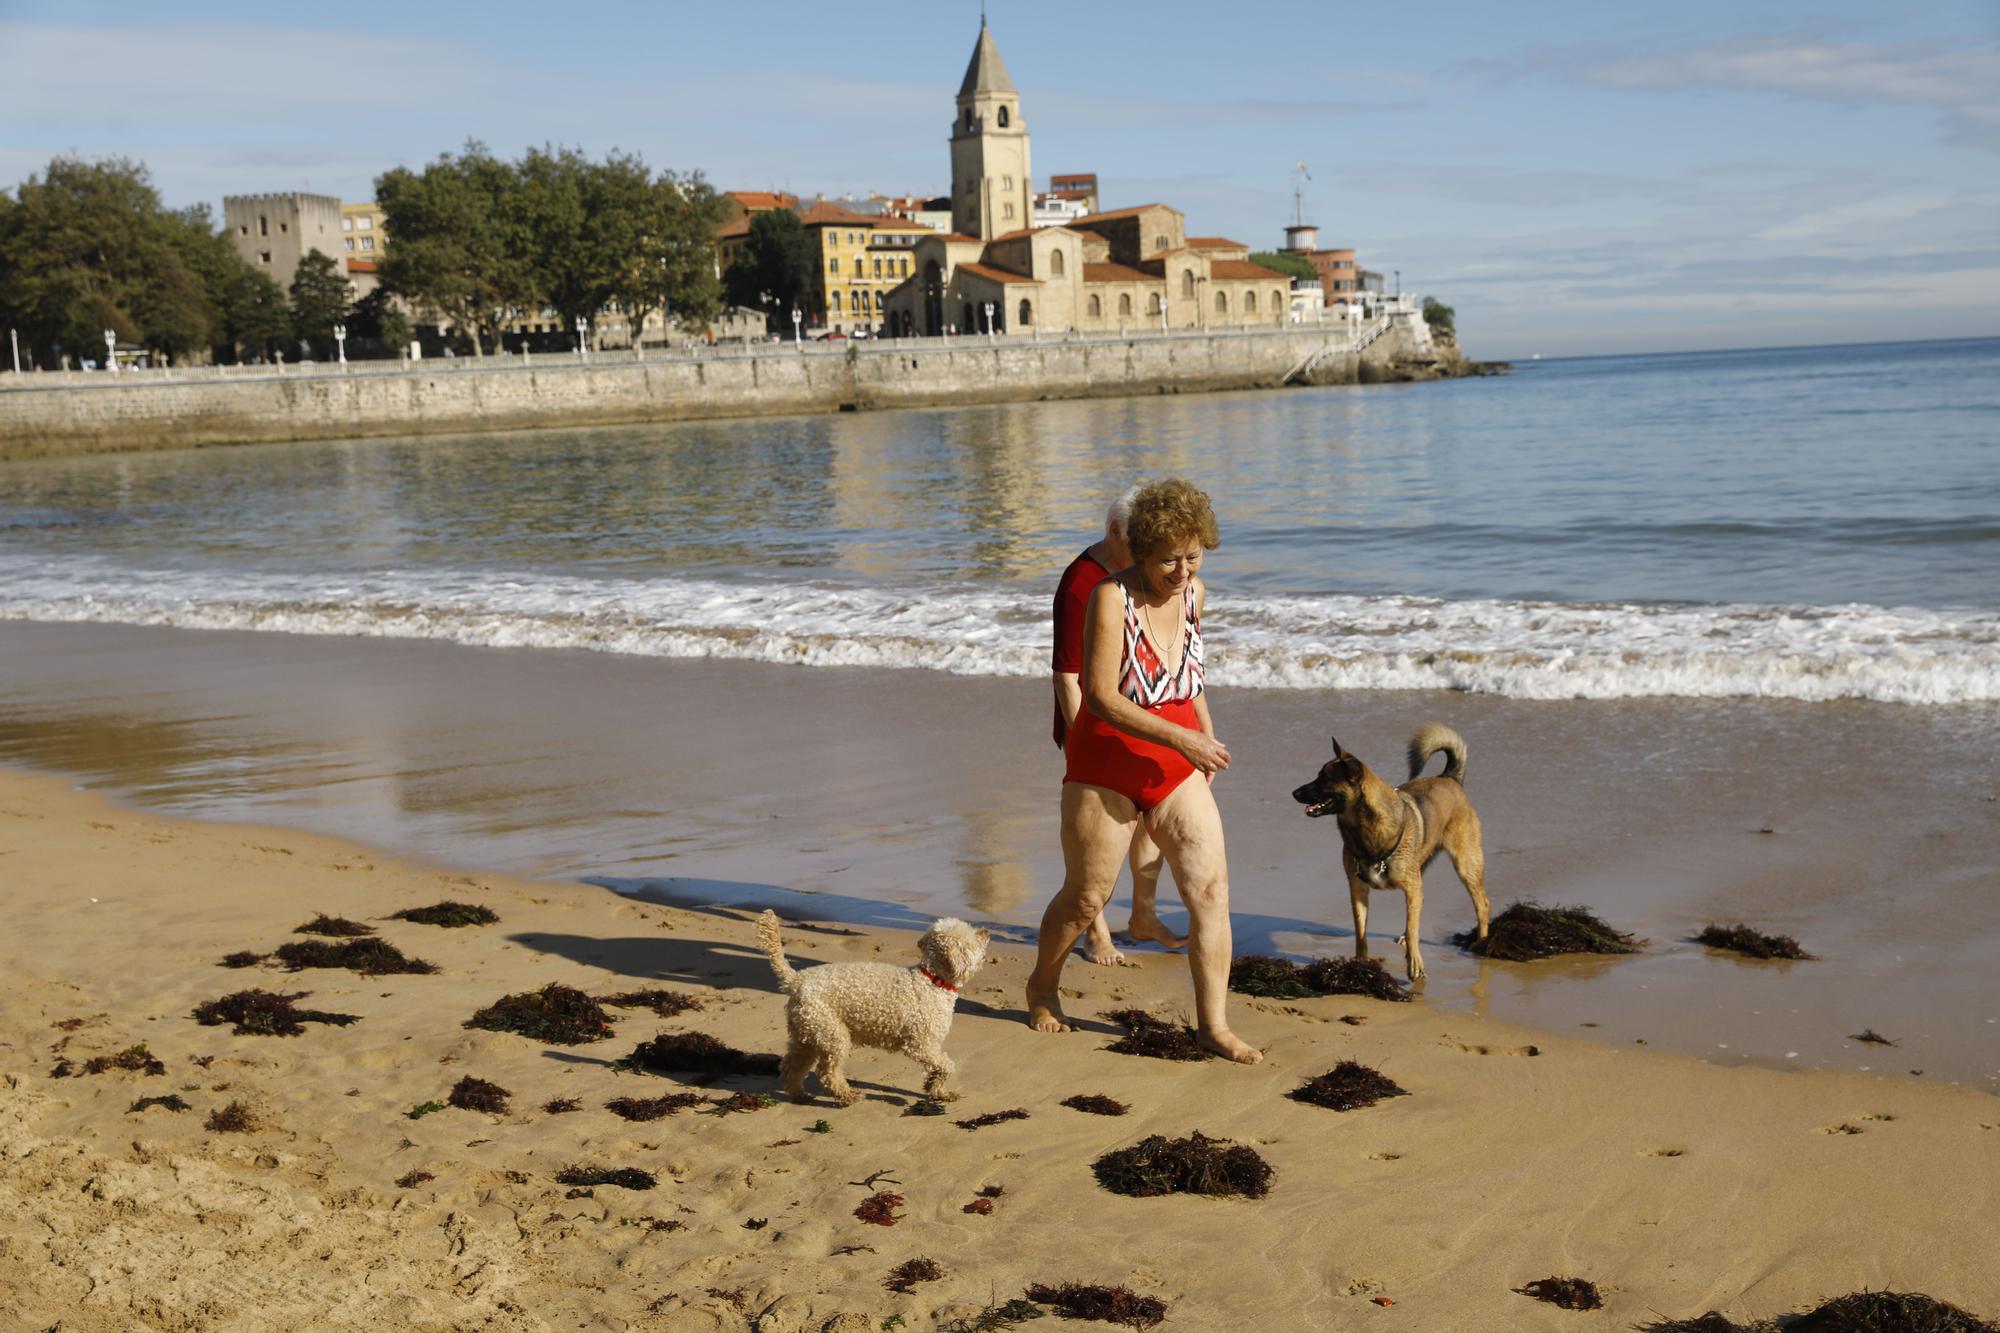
[
  {"x": 1230, "y": 1046},
  {"x": 1098, "y": 946},
  {"x": 1148, "y": 927},
  {"x": 1045, "y": 1012}
]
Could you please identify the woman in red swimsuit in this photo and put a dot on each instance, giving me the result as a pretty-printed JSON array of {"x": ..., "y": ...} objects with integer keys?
[{"x": 1142, "y": 734}]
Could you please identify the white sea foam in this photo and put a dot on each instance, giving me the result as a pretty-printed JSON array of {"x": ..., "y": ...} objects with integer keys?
[{"x": 1529, "y": 650}]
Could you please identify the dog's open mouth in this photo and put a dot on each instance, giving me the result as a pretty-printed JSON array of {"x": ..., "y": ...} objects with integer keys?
[{"x": 1318, "y": 808}]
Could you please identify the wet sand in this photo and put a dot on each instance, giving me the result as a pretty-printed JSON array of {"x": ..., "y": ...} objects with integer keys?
[
  {"x": 1675, "y": 1185},
  {"x": 1870, "y": 832}
]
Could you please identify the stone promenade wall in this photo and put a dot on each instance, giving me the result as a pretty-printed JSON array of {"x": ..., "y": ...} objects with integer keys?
[{"x": 44, "y": 415}]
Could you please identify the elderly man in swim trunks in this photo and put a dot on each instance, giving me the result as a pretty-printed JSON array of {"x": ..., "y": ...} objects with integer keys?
[
  {"x": 1101, "y": 559},
  {"x": 1142, "y": 735}
]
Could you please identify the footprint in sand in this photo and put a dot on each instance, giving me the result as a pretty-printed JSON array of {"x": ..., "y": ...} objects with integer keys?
[
  {"x": 1663, "y": 1152},
  {"x": 1385, "y": 1157},
  {"x": 1842, "y": 1128},
  {"x": 1473, "y": 1048},
  {"x": 1879, "y": 1115}
]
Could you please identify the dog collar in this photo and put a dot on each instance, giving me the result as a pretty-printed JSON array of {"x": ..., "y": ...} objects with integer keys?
[{"x": 937, "y": 981}]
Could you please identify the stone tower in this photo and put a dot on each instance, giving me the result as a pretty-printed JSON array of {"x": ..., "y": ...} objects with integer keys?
[{"x": 991, "y": 190}]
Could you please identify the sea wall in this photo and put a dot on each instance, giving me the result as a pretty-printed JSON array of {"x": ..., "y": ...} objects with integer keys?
[{"x": 52, "y": 414}]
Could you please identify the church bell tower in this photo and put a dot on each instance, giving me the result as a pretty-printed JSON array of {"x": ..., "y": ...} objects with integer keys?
[{"x": 992, "y": 192}]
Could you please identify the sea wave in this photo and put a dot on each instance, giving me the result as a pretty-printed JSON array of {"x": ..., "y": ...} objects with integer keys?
[{"x": 1528, "y": 650}]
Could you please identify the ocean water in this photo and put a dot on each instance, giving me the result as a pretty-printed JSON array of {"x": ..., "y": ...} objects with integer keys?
[{"x": 1805, "y": 524}]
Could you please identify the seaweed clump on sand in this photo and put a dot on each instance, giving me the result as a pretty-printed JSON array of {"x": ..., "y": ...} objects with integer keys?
[
  {"x": 562, "y": 1105},
  {"x": 1889, "y": 1312},
  {"x": 1870, "y": 1037},
  {"x": 333, "y": 925},
  {"x": 1568, "y": 1293},
  {"x": 243, "y": 958},
  {"x": 1110, "y": 1305},
  {"x": 476, "y": 1094},
  {"x": 263, "y": 1013},
  {"x": 173, "y": 1101},
  {"x": 1147, "y": 1035},
  {"x": 695, "y": 1053},
  {"x": 908, "y": 1274},
  {"x": 1741, "y": 939},
  {"x": 1712, "y": 1322},
  {"x": 1095, "y": 1104},
  {"x": 369, "y": 956},
  {"x": 652, "y": 1108},
  {"x": 235, "y": 1118},
  {"x": 879, "y": 1208},
  {"x": 448, "y": 914},
  {"x": 1193, "y": 1165},
  {"x": 1348, "y": 1086},
  {"x": 133, "y": 1059},
  {"x": 627, "y": 1177},
  {"x": 1527, "y": 931},
  {"x": 991, "y": 1118},
  {"x": 665, "y": 1003},
  {"x": 409, "y": 1180},
  {"x": 558, "y": 1014},
  {"x": 1277, "y": 979}
]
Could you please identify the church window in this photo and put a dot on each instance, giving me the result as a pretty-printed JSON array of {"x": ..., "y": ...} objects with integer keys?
[
  {"x": 1006, "y": 210},
  {"x": 968, "y": 118},
  {"x": 1006, "y": 182},
  {"x": 1027, "y": 313},
  {"x": 1155, "y": 307},
  {"x": 1187, "y": 283},
  {"x": 1056, "y": 263},
  {"x": 1221, "y": 302},
  {"x": 1277, "y": 302},
  {"x": 1159, "y": 242},
  {"x": 1096, "y": 307},
  {"x": 1003, "y": 118},
  {"x": 1125, "y": 303}
]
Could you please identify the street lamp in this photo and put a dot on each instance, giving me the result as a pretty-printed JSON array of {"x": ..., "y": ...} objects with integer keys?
[
  {"x": 989, "y": 321},
  {"x": 582, "y": 325},
  {"x": 1163, "y": 310},
  {"x": 340, "y": 341},
  {"x": 111, "y": 350},
  {"x": 1399, "y": 282},
  {"x": 798, "y": 317}
]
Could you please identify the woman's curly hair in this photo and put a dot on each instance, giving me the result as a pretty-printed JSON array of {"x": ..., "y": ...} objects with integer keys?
[{"x": 1168, "y": 512}]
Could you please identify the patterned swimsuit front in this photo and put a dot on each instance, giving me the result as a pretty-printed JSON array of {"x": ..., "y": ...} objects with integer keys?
[{"x": 1100, "y": 755}]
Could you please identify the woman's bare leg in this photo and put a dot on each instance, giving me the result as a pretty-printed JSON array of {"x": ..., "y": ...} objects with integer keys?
[
  {"x": 1188, "y": 828},
  {"x": 1146, "y": 864},
  {"x": 1098, "y": 946},
  {"x": 1096, "y": 829}
]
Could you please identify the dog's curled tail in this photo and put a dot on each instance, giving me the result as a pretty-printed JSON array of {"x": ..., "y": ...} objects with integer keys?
[
  {"x": 774, "y": 949},
  {"x": 1432, "y": 737}
]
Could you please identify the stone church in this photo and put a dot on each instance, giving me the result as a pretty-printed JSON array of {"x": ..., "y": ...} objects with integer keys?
[{"x": 1131, "y": 269}]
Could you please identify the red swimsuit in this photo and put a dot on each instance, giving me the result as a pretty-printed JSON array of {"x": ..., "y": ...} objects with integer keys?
[{"x": 1100, "y": 755}]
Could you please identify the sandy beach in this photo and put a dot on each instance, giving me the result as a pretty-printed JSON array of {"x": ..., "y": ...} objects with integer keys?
[{"x": 1676, "y": 1185}]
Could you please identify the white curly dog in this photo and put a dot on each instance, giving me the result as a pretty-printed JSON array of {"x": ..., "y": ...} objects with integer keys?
[{"x": 834, "y": 1007}]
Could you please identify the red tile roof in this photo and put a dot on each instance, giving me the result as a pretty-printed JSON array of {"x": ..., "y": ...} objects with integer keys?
[
  {"x": 1117, "y": 213},
  {"x": 1214, "y": 243},
  {"x": 960, "y": 237},
  {"x": 994, "y": 274},
  {"x": 823, "y": 214},
  {"x": 1116, "y": 273},
  {"x": 761, "y": 199},
  {"x": 1243, "y": 268},
  {"x": 360, "y": 266},
  {"x": 740, "y": 227}
]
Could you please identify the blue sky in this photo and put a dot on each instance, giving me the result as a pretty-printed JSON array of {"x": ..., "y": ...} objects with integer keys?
[{"x": 1574, "y": 178}]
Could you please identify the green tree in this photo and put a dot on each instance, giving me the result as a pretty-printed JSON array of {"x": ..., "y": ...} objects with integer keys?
[
  {"x": 673, "y": 268},
  {"x": 1439, "y": 316},
  {"x": 319, "y": 300},
  {"x": 256, "y": 319},
  {"x": 774, "y": 270},
  {"x": 1296, "y": 266},
  {"x": 460, "y": 246},
  {"x": 378, "y": 319},
  {"x": 87, "y": 246}
]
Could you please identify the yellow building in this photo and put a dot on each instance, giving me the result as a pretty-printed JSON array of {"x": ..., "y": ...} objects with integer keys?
[
  {"x": 859, "y": 259},
  {"x": 363, "y": 242}
]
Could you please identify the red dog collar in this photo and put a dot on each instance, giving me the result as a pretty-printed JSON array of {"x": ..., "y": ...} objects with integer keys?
[{"x": 939, "y": 982}]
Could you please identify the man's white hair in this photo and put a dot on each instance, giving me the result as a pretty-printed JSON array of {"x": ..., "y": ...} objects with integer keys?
[{"x": 1120, "y": 512}]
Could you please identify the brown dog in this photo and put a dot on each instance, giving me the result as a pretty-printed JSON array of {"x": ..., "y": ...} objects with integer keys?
[{"x": 1389, "y": 834}]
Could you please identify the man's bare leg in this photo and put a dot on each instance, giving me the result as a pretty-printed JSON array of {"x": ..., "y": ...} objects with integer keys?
[
  {"x": 1188, "y": 828},
  {"x": 1147, "y": 863},
  {"x": 1098, "y": 946},
  {"x": 1096, "y": 830}
]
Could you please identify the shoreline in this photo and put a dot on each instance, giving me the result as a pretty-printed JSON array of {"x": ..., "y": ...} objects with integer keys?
[{"x": 1485, "y": 1177}]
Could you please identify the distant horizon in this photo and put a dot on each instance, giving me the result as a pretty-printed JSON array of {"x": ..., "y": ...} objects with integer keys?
[
  {"x": 1577, "y": 180},
  {"x": 1759, "y": 347}
]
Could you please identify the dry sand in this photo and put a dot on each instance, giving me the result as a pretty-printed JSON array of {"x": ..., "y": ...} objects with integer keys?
[{"x": 1676, "y": 1185}]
